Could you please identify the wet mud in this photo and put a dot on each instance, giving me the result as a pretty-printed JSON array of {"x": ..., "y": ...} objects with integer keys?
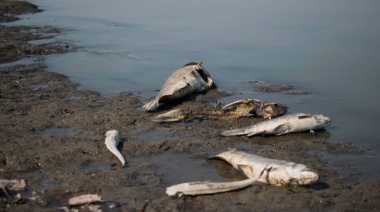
[{"x": 52, "y": 135}]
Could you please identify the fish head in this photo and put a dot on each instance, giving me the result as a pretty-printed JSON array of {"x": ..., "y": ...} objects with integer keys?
[
  {"x": 323, "y": 121},
  {"x": 206, "y": 77},
  {"x": 271, "y": 109},
  {"x": 113, "y": 133},
  {"x": 299, "y": 174}
]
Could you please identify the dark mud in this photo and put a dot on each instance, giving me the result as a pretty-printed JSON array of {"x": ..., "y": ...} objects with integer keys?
[{"x": 52, "y": 135}]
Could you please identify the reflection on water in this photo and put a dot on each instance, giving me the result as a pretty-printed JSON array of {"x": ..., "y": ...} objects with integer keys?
[{"x": 329, "y": 48}]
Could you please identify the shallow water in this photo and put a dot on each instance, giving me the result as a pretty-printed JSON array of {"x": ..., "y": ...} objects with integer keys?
[
  {"x": 330, "y": 49},
  {"x": 177, "y": 168}
]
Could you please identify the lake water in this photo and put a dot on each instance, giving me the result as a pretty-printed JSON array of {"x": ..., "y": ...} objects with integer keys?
[{"x": 329, "y": 48}]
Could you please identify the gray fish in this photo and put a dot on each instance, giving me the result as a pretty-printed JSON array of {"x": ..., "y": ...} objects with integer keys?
[
  {"x": 191, "y": 78},
  {"x": 297, "y": 122},
  {"x": 232, "y": 110}
]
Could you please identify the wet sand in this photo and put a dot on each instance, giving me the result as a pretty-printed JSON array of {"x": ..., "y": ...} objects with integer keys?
[{"x": 52, "y": 135}]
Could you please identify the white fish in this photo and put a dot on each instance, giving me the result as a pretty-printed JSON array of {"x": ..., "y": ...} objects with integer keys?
[
  {"x": 112, "y": 140},
  {"x": 279, "y": 172},
  {"x": 206, "y": 187},
  {"x": 191, "y": 78},
  {"x": 297, "y": 122}
]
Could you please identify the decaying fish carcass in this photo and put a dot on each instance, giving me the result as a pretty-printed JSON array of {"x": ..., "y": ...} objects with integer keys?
[
  {"x": 279, "y": 172},
  {"x": 191, "y": 78},
  {"x": 240, "y": 108}
]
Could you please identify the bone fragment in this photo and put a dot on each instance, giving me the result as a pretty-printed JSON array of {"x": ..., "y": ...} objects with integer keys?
[{"x": 84, "y": 199}]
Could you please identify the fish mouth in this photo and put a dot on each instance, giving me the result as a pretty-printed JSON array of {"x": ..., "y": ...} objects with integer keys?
[
  {"x": 324, "y": 121},
  {"x": 206, "y": 77},
  {"x": 306, "y": 177}
]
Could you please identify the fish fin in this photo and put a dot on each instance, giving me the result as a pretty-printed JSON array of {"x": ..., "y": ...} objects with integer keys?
[
  {"x": 282, "y": 129},
  {"x": 252, "y": 134},
  {"x": 235, "y": 104},
  {"x": 233, "y": 149},
  {"x": 312, "y": 131},
  {"x": 171, "y": 116},
  {"x": 151, "y": 106}
]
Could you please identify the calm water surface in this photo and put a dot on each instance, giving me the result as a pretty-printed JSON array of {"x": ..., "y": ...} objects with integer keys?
[{"x": 329, "y": 48}]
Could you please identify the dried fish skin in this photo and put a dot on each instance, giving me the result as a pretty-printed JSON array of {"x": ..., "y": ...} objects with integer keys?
[{"x": 112, "y": 140}]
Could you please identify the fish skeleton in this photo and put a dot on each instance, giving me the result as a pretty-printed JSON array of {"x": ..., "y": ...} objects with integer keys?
[
  {"x": 259, "y": 108},
  {"x": 112, "y": 140},
  {"x": 206, "y": 187},
  {"x": 232, "y": 110},
  {"x": 279, "y": 172},
  {"x": 191, "y": 78},
  {"x": 297, "y": 122}
]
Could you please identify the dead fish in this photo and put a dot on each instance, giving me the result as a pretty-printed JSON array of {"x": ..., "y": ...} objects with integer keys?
[
  {"x": 191, "y": 78},
  {"x": 206, "y": 187},
  {"x": 240, "y": 108},
  {"x": 112, "y": 140},
  {"x": 297, "y": 122},
  {"x": 279, "y": 172},
  {"x": 259, "y": 108}
]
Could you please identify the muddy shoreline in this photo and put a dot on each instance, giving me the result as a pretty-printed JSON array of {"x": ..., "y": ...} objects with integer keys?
[{"x": 52, "y": 135}]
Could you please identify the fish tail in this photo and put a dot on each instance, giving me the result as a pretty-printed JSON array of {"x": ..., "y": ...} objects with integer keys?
[
  {"x": 151, "y": 106},
  {"x": 233, "y": 132},
  {"x": 171, "y": 116}
]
